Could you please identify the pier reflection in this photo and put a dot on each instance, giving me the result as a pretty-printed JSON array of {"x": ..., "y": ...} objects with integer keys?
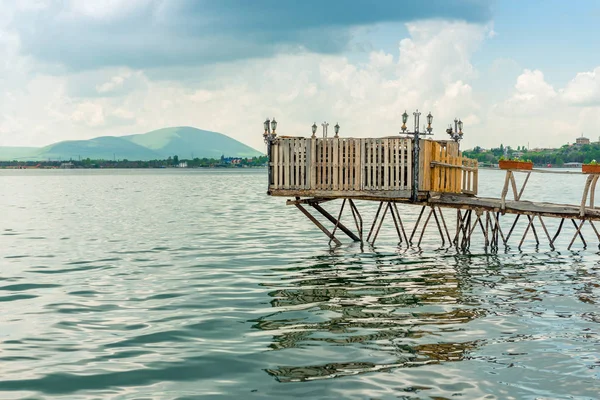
[{"x": 368, "y": 313}]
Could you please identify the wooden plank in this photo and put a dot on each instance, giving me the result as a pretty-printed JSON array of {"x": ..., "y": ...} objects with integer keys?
[
  {"x": 335, "y": 166},
  {"x": 475, "y": 177},
  {"x": 443, "y": 158},
  {"x": 427, "y": 167},
  {"x": 305, "y": 172},
  {"x": 436, "y": 170},
  {"x": 323, "y": 163},
  {"x": 280, "y": 166},
  {"x": 347, "y": 163},
  {"x": 450, "y": 172},
  {"x": 298, "y": 161},
  {"x": 330, "y": 170},
  {"x": 396, "y": 195},
  {"x": 514, "y": 207},
  {"x": 286, "y": 163},
  {"x": 358, "y": 162},
  {"x": 409, "y": 153},
  {"x": 401, "y": 163},
  {"x": 385, "y": 147},
  {"x": 422, "y": 159},
  {"x": 368, "y": 178},
  {"x": 379, "y": 147},
  {"x": 293, "y": 150},
  {"x": 312, "y": 183},
  {"x": 363, "y": 165},
  {"x": 275, "y": 152},
  {"x": 469, "y": 176}
]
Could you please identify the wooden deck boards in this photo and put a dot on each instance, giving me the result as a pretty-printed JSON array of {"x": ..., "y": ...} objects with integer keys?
[
  {"x": 514, "y": 207},
  {"x": 446, "y": 200}
]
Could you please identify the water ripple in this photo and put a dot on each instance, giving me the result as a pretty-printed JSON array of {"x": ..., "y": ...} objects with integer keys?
[{"x": 182, "y": 284}]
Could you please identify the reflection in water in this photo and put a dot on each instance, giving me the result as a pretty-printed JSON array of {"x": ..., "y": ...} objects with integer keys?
[{"x": 402, "y": 307}]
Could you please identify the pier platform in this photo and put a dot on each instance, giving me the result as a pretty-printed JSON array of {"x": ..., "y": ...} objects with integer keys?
[{"x": 432, "y": 174}]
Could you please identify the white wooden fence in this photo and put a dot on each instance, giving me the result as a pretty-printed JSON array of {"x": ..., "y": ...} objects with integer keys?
[{"x": 341, "y": 164}]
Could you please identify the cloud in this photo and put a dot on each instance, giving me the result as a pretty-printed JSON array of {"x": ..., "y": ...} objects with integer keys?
[
  {"x": 430, "y": 70},
  {"x": 155, "y": 33},
  {"x": 537, "y": 111},
  {"x": 584, "y": 89},
  {"x": 533, "y": 95}
]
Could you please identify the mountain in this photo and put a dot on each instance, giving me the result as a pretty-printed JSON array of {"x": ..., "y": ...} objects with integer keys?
[
  {"x": 184, "y": 141},
  {"x": 106, "y": 148},
  {"x": 17, "y": 153},
  {"x": 160, "y": 144}
]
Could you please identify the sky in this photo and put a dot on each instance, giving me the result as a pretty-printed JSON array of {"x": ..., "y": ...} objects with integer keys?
[{"x": 517, "y": 73}]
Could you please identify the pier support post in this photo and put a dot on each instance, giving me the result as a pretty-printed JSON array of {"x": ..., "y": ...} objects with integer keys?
[
  {"x": 337, "y": 222},
  {"x": 396, "y": 217},
  {"x": 318, "y": 224}
]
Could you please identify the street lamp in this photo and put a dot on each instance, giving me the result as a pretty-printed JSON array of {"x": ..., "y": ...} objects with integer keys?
[
  {"x": 268, "y": 136},
  {"x": 416, "y": 137},
  {"x": 429, "y": 121},
  {"x": 336, "y": 128},
  {"x": 325, "y": 124},
  {"x": 404, "y": 119},
  {"x": 457, "y": 134},
  {"x": 314, "y": 129}
]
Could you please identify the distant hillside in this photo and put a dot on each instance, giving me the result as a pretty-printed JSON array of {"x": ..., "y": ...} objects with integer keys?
[
  {"x": 106, "y": 148},
  {"x": 17, "y": 153},
  {"x": 184, "y": 142}
]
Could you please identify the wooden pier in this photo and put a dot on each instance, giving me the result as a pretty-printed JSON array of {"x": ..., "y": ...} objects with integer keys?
[{"x": 312, "y": 171}]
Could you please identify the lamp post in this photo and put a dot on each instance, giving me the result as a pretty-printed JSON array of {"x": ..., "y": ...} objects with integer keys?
[
  {"x": 416, "y": 135},
  {"x": 325, "y": 124},
  {"x": 457, "y": 134},
  {"x": 269, "y": 138}
]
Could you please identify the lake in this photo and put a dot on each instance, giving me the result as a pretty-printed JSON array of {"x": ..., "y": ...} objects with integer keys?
[{"x": 194, "y": 284}]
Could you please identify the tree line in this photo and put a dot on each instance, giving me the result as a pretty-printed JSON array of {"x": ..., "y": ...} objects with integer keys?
[
  {"x": 556, "y": 157},
  {"x": 170, "y": 162}
]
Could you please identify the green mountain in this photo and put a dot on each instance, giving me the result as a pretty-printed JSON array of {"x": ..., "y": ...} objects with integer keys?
[
  {"x": 106, "y": 148},
  {"x": 17, "y": 153},
  {"x": 184, "y": 142}
]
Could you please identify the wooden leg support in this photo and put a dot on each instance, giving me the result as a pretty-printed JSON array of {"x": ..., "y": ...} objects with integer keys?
[
  {"x": 318, "y": 224},
  {"x": 342, "y": 227}
]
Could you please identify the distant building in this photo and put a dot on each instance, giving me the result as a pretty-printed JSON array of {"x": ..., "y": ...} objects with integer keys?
[
  {"x": 231, "y": 160},
  {"x": 582, "y": 140},
  {"x": 68, "y": 165},
  {"x": 182, "y": 164}
]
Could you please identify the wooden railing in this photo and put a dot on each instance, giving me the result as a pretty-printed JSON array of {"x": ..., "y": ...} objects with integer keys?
[
  {"x": 342, "y": 165},
  {"x": 450, "y": 172}
]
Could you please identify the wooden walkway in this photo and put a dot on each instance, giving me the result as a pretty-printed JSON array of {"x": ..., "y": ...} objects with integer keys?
[
  {"x": 367, "y": 168},
  {"x": 433, "y": 175}
]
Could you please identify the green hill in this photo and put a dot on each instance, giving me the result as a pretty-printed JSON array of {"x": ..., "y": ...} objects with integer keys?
[
  {"x": 17, "y": 153},
  {"x": 184, "y": 142},
  {"x": 106, "y": 148}
]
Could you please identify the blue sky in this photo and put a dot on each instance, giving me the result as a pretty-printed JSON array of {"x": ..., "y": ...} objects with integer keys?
[{"x": 517, "y": 73}]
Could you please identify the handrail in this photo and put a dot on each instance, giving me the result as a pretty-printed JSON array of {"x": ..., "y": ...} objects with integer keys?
[{"x": 442, "y": 164}]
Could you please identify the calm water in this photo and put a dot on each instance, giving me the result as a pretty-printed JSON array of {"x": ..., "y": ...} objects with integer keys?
[{"x": 188, "y": 284}]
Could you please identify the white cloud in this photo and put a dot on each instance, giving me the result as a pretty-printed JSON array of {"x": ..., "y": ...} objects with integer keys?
[
  {"x": 538, "y": 113},
  {"x": 431, "y": 72},
  {"x": 532, "y": 95},
  {"x": 89, "y": 114},
  {"x": 584, "y": 89}
]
